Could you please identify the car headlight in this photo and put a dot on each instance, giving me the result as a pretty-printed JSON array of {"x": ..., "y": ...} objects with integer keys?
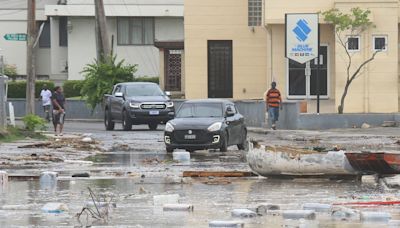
[
  {"x": 215, "y": 126},
  {"x": 170, "y": 104},
  {"x": 134, "y": 105},
  {"x": 169, "y": 127}
]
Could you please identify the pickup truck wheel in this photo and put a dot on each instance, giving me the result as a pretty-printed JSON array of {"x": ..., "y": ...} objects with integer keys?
[
  {"x": 108, "y": 123},
  {"x": 153, "y": 126},
  {"x": 126, "y": 121}
]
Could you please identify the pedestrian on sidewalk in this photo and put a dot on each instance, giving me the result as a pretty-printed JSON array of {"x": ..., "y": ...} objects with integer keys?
[
  {"x": 273, "y": 102},
  {"x": 58, "y": 111},
  {"x": 45, "y": 96}
]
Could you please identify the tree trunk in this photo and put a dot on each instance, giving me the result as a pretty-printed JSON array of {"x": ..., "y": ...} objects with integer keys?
[{"x": 346, "y": 89}]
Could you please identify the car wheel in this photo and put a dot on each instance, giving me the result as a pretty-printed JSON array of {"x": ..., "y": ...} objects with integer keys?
[
  {"x": 153, "y": 126},
  {"x": 243, "y": 144},
  {"x": 108, "y": 122},
  {"x": 126, "y": 121},
  {"x": 224, "y": 143},
  {"x": 169, "y": 149}
]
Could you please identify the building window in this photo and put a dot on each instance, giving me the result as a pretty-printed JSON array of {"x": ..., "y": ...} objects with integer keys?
[
  {"x": 63, "y": 31},
  {"x": 353, "y": 43},
  {"x": 380, "y": 43},
  {"x": 135, "y": 31},
  {"x": 44, "y": 39},
  {"x": 255, "y": 12}
]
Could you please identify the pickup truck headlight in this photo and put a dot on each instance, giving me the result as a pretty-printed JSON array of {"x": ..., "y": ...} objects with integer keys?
[
  {"x": 134, "y": 105},
  {"x": 170, "y": 104},
  {"x": 169, "y": 127},
  {"x": 215, "y": 126}
]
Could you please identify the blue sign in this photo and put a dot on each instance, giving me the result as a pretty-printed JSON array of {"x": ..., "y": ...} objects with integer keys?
[{"x": 302, "y": 30}]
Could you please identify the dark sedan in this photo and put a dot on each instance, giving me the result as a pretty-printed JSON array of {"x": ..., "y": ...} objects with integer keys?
[{"x": 206, "y": 124}]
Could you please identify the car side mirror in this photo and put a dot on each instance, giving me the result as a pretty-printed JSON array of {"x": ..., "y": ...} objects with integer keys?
[
  {"x": 119, "y": 94},
  {"x": 168, "y": 93},
  {"x": 229, "y": 112}
]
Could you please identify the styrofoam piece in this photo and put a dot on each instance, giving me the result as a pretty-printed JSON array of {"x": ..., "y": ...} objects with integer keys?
[
  {"x": 181, "y": 156},
  {"x": 178, "y": 207},
  {"x": 161, "y": 200},
  {"x": 299, "y": 214},
  {"x": 54, "y": 208},
  {"x": 375, "y": 216},
  {"x": 243, "y": 213},
  {"x": 317, "y": 207},
  {"x": 238, "y": 224}
]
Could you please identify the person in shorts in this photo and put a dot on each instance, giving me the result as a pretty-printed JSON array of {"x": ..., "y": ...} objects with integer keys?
[
  {"x": 273, "y": 102},
  {"x": 45, "y": 96},
  {"x": 58, "y": 101}
]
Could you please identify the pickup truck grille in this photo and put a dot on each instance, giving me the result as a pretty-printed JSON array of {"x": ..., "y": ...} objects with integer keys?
[{"x": 153, "y": 106}]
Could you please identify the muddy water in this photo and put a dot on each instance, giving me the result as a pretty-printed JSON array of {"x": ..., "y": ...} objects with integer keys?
[{"x": 211, "y": 202}]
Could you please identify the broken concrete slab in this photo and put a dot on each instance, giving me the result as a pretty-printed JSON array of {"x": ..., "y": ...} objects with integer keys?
[
  {"x": 392, "y": 182},
  {"x": 178, "y": 207},
  {"x": 299, "y": 214},
  {"x": 160, "y": 200},
  {"x": 243, "y": 213},
  {"x": 238, "y": 224},
  {"x": 317, "y": 207},
  {"x": 264, "y": 209},
  {"x": 372, "y": 216}
]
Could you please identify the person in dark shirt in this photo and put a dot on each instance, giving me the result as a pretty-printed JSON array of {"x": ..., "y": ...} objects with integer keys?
[
  {"x": 273, "y": 103},
  {"x": 58, "y": 101}
]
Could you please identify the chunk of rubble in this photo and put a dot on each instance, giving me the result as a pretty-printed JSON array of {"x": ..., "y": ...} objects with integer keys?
[
  {"x": 243, "y": 213},
  {"x": 317, "y": 207},
  {"x": 264, "y": 209},
  {"x": 372, "y": 216},
  {"x": 344, "y": 214},
  {"x": 369, "y": 179},
  {"x": 392, "y": 182},
  {"x": 178, "y": 207},
  {"x": 299, "y": 214},
  {"x": 160, "y": 200},
  {"x": 238, "y": 224}
]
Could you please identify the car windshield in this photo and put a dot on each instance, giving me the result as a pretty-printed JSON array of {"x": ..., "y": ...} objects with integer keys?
[
  {"x": 200, "y": 110},
  {"x": 143, "y": 90}
]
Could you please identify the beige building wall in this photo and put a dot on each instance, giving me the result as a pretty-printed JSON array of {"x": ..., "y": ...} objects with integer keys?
[{"x": 224, "y": 20}]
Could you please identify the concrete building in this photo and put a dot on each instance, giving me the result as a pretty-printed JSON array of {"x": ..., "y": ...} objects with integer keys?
[
  {"x": 138, "y": 27},
  {"x": 236, "y": 48}
]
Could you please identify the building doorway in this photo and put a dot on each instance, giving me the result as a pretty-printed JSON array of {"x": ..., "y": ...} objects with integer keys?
[
  {"x": 302, "y": 83},
  {"x": 220, "y": 72},
  {"x": 173, "y": 69}
]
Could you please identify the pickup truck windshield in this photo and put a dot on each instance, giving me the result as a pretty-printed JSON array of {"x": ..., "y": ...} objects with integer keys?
[
  {"x": 143, "y": 90},
  {"x": 200, "y": 110}
]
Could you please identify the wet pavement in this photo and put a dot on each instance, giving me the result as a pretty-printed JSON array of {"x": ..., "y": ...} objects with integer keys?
[{"x": 132, "y": 167}]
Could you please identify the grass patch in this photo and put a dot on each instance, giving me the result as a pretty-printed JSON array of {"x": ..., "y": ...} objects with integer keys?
[{"x": 12, "y": 134}]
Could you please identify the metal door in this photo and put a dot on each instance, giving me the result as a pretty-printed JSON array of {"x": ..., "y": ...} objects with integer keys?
[
  {"x": 173, "y": 72},
  {"x": 220, "y": 82}
]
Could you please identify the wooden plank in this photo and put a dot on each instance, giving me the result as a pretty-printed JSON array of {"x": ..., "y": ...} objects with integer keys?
[{"x": 217, "y": 174}]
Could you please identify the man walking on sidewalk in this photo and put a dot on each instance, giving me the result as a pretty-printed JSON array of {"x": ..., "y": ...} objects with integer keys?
[
  {"x": 45, "y": 96},
  {"x": 273, "y": 101}
]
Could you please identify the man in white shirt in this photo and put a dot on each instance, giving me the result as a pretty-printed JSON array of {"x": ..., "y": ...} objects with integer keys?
[{"x": 45, "y": 96}]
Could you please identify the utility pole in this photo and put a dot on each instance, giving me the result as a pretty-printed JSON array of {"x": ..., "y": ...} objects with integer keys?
[
  {"x": 102, "y": 40},
  {"x": 30, "y": 58}
]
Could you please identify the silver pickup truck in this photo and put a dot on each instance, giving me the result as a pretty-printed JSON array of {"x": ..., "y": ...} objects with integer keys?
[{"x": 135, "y": 103}]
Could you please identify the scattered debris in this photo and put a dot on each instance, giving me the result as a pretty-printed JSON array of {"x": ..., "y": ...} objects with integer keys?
[
  {"x": 36, "y": 145},
  {"x": 299, "y": 214},
  {"x": 79, "y": 162},
  {"x": 81, "y": 175},
  {"x": 160, "y": 200},
  {"x": 243, "y": 213},
  {"x": 365, "y": 126},
  {"x": 317, "y": 207},
  {"x": 344, "y": 214},
  {"x": 219, "y": 181},
  {"x": 98, "y": 212},
  {"x": 370, "y": 216},
  {"x": 218, "y": 174},
  {"x": 152, "y": 161},
  {"x": 230, "y": 158},
  {"x": 178, "y": 207},
  {"x": 237, "y": 224},
  {"x": 263, "y": 209},
  {"x": 54, "y": 208},
  {"x": 392, "y": 182}
]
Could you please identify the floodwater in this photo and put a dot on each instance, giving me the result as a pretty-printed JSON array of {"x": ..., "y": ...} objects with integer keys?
[{"x": 213, "y": 199}]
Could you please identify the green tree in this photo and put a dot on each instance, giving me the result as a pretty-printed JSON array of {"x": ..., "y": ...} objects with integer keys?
[
  {"x": 354, "y": 23},
  {"x": 101, "y": 76},
  {"x": 11, "y": 71}
]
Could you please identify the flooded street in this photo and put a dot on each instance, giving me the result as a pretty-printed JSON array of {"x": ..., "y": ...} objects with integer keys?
[{"x": 133, "y": 167}]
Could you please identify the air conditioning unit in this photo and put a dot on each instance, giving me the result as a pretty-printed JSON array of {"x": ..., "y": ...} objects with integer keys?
[{"x": 62, "y": 2}]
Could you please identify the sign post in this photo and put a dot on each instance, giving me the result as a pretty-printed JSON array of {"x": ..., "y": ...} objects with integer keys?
[
  {"x": 15, "y": 37},
  {"x": 302, "y": 40}
]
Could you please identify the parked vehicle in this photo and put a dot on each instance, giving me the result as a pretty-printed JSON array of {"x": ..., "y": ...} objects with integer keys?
[
  {"x": 206, "y": 124},
  {"x": 136, "y": 103}
]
